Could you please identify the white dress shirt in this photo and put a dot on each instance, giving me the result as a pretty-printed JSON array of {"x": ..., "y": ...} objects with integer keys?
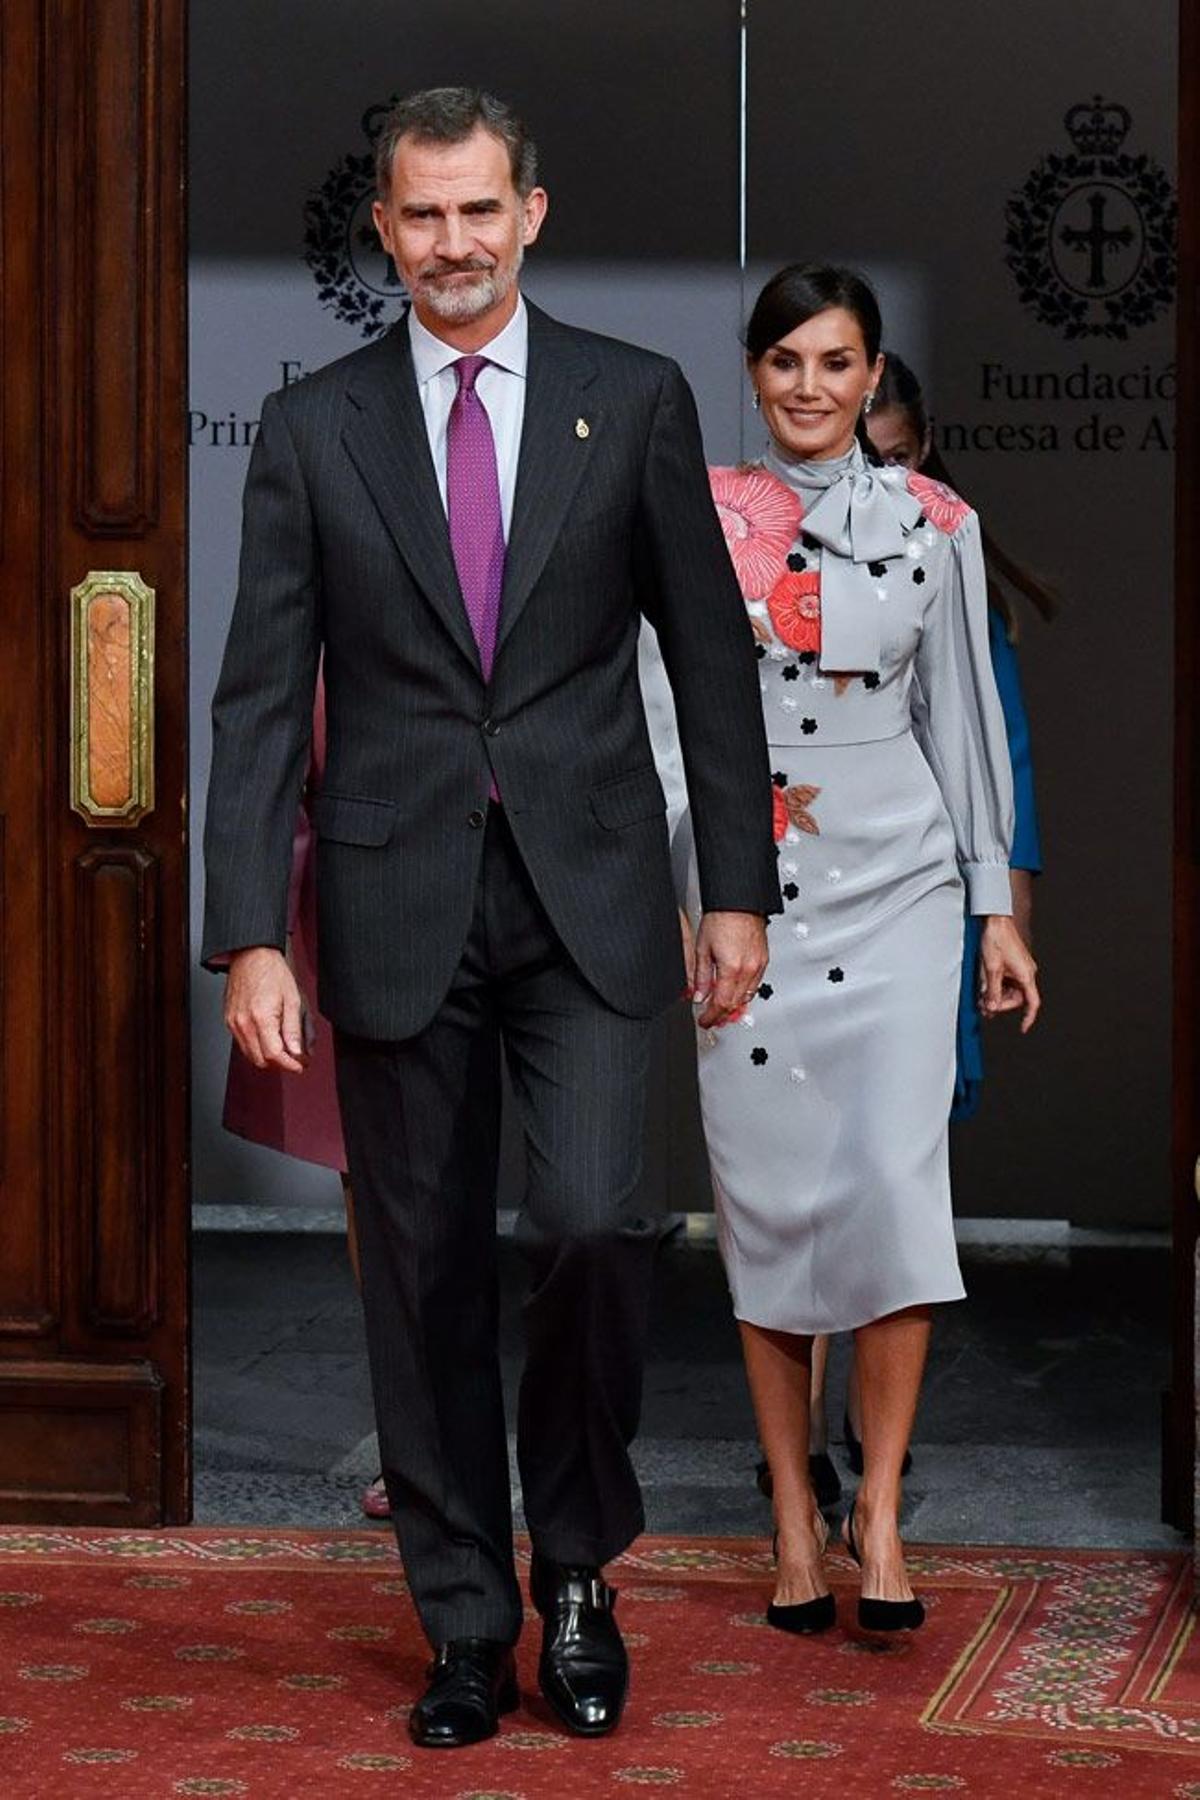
[{"x": 501, "y": 388}]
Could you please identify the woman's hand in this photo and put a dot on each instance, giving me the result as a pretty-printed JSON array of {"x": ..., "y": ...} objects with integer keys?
[{"x": 1007, "y": 972}]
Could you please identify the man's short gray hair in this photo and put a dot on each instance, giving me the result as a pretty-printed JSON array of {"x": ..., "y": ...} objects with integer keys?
[{"x": 448, "y": 115}]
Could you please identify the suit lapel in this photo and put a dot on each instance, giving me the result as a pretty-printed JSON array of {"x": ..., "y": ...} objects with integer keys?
[
  {"x": 552, "y": 459},
  {"x": 387, "y": 441}
]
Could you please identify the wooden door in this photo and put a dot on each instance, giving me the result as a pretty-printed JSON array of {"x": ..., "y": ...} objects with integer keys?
[
  {"x": 93, "y": 764},
  {"x": 1179, "y": 1437}
]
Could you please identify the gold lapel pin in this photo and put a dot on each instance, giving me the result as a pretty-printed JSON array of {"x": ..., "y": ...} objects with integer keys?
[{"x": 582, "y": 428}]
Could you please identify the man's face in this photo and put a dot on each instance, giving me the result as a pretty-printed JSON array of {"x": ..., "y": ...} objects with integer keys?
[{"x": 455, "y": 226}]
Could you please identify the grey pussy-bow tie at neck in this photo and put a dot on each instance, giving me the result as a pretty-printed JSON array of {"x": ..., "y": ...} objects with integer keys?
[{"x": 859, "y": 514}]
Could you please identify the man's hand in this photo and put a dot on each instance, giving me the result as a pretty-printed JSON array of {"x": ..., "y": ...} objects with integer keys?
[
  {"x": 264, "y": 1010},
  {"x": 731, "y": 959}
]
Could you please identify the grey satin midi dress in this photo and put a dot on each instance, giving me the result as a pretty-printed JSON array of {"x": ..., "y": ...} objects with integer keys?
[{"x": 826, "y": 1104}]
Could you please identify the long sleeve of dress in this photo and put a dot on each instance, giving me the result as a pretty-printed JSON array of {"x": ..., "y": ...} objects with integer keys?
[
  {"x": 961, "y": 725},
  {"x": 659, "y": 705}
]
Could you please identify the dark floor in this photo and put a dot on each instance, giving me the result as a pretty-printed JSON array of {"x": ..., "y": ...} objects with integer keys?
[{"x": 1039, "y": 1422}]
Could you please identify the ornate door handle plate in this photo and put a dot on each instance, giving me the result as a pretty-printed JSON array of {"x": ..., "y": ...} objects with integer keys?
[{"x": 112, "y": 698}]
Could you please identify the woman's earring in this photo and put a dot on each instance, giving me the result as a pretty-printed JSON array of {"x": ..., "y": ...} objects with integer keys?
[
  {"x": 868, "y": 400},
  {"x": 756, "y": 402}
]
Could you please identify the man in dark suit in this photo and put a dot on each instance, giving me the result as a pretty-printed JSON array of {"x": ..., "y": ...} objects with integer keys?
[{"x": 467, "y": 520}]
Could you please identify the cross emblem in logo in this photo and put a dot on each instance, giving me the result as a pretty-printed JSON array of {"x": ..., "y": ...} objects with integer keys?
[
  {"x": 1097, "y": 239},
  {"x": 1090, "y": 237}
]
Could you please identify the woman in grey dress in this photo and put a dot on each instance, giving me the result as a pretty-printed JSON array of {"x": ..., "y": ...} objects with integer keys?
[{"x": 826, "y": 1103}]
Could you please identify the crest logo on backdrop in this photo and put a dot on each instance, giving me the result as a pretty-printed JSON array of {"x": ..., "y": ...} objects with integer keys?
[
  {"x": 354, "y": 277},
  {"x": 1091, "y": 236}
]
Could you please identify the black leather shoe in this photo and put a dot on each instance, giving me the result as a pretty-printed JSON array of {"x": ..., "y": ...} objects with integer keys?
[
  {"x": 471, "y": 1682},
  {"x": 584, "y": 1670}
]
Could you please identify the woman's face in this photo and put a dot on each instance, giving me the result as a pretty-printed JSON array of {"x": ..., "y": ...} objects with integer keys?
[
  {"x": 894, "y": 436},
  {"x": 812, "y": 385}
]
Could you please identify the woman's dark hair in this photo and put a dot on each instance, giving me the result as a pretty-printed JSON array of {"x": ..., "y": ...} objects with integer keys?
[
  {"x": 900, "y": 388},
  {"x": 797, "y": 293}
]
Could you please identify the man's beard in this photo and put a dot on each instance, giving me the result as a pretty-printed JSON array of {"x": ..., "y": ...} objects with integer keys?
[{"x": 463, "y": 301}]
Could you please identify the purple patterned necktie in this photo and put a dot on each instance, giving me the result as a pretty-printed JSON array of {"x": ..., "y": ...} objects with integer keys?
[{"x": 473, "y": 507}]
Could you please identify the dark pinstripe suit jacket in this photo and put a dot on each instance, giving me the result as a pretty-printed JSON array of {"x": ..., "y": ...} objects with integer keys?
[{"x": 345, "y": 549}]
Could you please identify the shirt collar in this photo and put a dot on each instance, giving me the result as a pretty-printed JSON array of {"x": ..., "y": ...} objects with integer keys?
[{"x": 509, "y": 349}]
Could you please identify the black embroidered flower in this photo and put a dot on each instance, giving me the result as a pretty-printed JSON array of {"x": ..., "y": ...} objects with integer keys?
[
  {"x": 877, "y": 569},
  {"x": 809, "y": 541},
  {"x": 758, "y": 1056},
  {"x": 760, "y": 650},
  {"x": 836, "y": 975},
  {"x": 765, "y": 991},
  {"x": 797, "y": 563},
  {"x": 871, "y": 681},
  {"x": 920, "y": 521},
  {"x": 808, "y": 726},
  {"x": 790, "y": 892},
  {"x": 919, "y": 576},
  {"x": 779, "y": 778},
  {"x": 791, "y": 672},
  {"x": 808, "y": 657}
]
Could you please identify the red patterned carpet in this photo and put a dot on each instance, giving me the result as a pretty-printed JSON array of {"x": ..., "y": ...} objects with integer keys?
[{"x": 279, "y": 1664}]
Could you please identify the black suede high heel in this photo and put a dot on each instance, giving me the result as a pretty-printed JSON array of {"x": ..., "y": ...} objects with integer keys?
[
  {"x": 854, "y": 1450},
  {"x": 826, "y": 1485},
  {"x": 807, "y": 1616},
  {"x": 882, "y": 1615}
]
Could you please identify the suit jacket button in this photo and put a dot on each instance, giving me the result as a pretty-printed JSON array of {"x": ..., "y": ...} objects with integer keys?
[
  {"x": 476, "y": 819},
  {"x": 490, "y": 728}
]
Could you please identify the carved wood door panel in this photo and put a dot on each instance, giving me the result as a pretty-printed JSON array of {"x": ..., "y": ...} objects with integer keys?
[{"x": 93, "y": 764}]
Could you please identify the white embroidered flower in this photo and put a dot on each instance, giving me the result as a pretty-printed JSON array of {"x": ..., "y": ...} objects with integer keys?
[{"x": 798, "y": 1075}]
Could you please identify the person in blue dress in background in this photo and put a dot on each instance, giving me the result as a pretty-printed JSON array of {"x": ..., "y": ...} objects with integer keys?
[{"x": 899, "y": 429}]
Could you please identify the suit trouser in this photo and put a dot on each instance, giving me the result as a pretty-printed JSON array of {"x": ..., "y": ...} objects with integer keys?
[{"x": 421, "y": 1120}]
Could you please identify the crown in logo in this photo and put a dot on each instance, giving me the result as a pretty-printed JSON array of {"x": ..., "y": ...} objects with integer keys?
[{"x": 1098, "y": 127}]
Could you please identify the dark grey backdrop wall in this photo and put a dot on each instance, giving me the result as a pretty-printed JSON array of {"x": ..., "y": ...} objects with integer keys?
[{"x": 891, "y": 138}]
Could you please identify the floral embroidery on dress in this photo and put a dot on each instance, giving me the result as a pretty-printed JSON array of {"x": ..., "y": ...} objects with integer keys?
[
  {"x": 940, "y": 504},
  {"x": 791, "y": 807},
  {"x": 760, "y": 518},
  {"x": 794, "y": 604},
  {"x": 798, "y": 800}
]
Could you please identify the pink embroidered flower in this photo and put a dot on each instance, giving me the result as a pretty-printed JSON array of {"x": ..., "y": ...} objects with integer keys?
[
  {"x": 760, "y": 518},
  {"x": 779, "y": 801},
  {"x": 940, "y": 504},
  {"x": 794, "y": 604}
]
